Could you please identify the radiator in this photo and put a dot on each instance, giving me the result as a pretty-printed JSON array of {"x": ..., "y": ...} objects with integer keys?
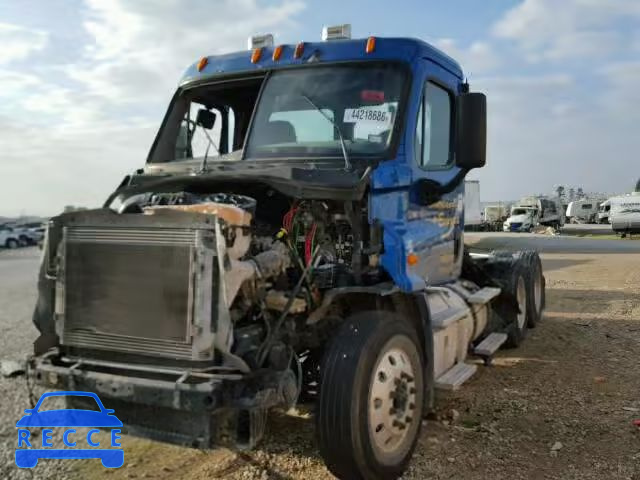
[{"x": 144, "y": 290}]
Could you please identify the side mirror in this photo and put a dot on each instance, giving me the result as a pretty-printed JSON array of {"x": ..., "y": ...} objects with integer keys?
[
  {"x": 471, "y": 130},
  {"x": 205, "y": 118}
]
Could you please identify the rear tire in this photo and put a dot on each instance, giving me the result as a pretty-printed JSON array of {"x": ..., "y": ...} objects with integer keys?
[
  {"x": 535, "y": 287},
  {"x": 511, "y": 274},
  {"x": 516, "y": 320},
  {"x": 371, "y": 397}
]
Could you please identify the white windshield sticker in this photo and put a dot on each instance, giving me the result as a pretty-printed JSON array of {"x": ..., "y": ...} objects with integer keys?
[{"x": 367, "y": 115}]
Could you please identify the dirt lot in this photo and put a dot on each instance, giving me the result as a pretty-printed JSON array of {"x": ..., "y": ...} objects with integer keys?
[{"x": 560, "y": 407}]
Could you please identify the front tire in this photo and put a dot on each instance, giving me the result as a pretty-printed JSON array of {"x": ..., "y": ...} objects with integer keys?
[
  {"x": 11, "y": 243},
  {"x": 371, "y": 397}
]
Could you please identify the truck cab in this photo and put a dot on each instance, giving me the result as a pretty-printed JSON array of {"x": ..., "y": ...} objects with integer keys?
[
  {"x": 521, "y": 219},
  {"x": 295, "y": 236},
  {"x": 603, "y": 211}
]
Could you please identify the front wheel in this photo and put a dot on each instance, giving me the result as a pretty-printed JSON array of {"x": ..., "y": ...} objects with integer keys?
[
  {"x": 11, "y": 243},
  {"x": 371, "y": 397}
]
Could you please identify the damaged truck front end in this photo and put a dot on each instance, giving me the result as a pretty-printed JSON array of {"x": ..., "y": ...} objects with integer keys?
[{"x": 142, "y": 316}]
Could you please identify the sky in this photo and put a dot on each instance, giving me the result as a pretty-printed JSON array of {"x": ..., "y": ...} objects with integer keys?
[{"x": 84, "y": 84}]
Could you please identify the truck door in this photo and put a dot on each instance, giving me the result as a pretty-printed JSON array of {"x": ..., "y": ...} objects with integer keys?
[{"x": 438, "y": 227}]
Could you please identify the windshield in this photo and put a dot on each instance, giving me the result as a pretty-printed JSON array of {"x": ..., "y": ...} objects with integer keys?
[
  {"x": 299, "y": 113},
  {"x": 520, "y": 211},
  {"x": 362, "y": 100}
]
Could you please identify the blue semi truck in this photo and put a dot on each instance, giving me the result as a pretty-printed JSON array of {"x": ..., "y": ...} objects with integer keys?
[{"x": 296, "y": 235}]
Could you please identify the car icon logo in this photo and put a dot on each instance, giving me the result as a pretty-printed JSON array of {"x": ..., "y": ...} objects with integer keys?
[{"x": 28, "y": 452}]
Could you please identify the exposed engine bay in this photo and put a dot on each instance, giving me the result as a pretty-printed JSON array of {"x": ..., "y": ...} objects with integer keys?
[
  {"x": 281, "y": 255},
  {"x": 214, "y": 279}
]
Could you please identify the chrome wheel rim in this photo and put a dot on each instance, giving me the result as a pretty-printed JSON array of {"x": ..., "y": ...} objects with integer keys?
[
  {"x": 521, "y": 295},
  {"x": 392, "y": 399}
]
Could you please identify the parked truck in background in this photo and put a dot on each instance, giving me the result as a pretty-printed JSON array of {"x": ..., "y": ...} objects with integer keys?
[
  {"x": 603, "y": 211},
  {"x": 294, "y": 236},
  {"x": 532, "y": 211}
]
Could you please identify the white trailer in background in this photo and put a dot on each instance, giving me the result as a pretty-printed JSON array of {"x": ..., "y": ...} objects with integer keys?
[
  {"x": 472, "y": 208},
  {"x": 583, "y": 211},
  {"x": 624, "y": 215},
  {"x": 494, "y": 216}
]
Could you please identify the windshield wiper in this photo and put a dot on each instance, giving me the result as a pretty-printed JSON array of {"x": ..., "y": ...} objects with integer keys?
[
  {"x": 347, "y": 164},
  {"x": 203, "y": 165}
]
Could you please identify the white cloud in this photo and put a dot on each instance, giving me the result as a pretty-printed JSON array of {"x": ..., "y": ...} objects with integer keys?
[
  {"x": 543, "y": 130},
  {"x": 69, "y": 132},
  {"x": 141, "y": 48},
  {"x": 621, "y": 93},
  {"x": 50, "y": 168},
  {"x": 479, "y": 58},
  {"x": 17, "y": 42},
  {"x": 559, "y": 30}
]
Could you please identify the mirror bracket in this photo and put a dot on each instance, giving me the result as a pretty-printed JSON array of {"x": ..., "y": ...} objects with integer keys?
[{"x": 430, "y": 191}]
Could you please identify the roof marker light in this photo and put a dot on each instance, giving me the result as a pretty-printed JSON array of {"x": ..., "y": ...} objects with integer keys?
[
  {"x": 371, "y": 45},
  {"x": 277, "y": 53},
  {"x": 255, "y": 55},
  {"x": 336, "y": 32},
  {"x": 297, "y": 53},
  {"x": 260, "y": 41},
  {"x": 202, "y": 63}
]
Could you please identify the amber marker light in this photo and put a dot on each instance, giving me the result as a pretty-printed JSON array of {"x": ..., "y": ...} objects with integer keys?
[
  {"x": 412, "y": 259},
  {"x": 202, "y": 63},
  {"x": 277, "y": 53},
  {"x": 371, "y": 45},
  {"x": 255, "y": 55}
]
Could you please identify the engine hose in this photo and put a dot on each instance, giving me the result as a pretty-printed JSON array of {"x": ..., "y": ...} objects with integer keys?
[{"x": 294, "y": 293}]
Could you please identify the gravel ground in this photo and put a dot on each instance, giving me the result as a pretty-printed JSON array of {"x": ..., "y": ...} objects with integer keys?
[
  {"x": 18, "y": 269},
  {"x": 560, "y": 407}
]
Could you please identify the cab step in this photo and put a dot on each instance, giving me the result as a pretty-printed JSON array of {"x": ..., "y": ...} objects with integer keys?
[
  {"x": 489, "y": 346},
  {"x": 484, "y": 295},
  {"x": 456, "y": 376}
]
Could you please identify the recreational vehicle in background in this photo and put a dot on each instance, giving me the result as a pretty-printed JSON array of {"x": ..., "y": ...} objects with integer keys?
[
  {"x": 583, "y": 211},
  {"x": 624, "y": 213}
]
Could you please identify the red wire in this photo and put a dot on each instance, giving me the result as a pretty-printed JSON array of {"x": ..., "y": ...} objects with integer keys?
[
  {"x": 287, "y": 220},
  {"x": 308, "y": 241}
]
